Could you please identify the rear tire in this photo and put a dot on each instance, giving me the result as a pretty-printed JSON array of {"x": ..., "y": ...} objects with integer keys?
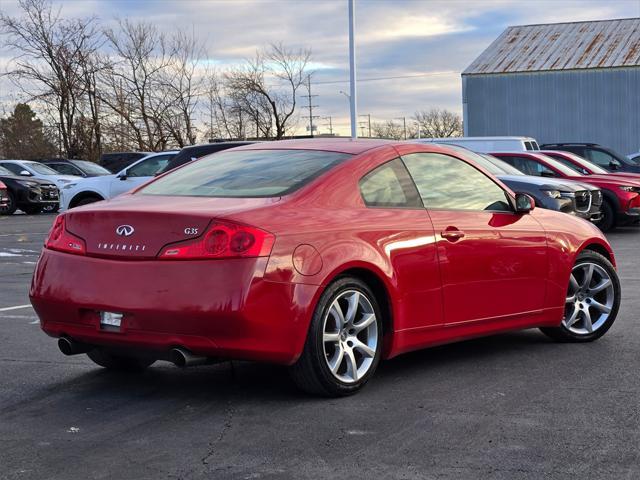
[
  {"x": 593, "y": 300},
  {"x": 11, "y": 205},
  {"x": 87, "y": 201},
  {"x": 608, "y": 221},
  {"x": 51, "y": 208},
  {"x": 122, "y": 363},
  {"x": 344, "y": 342}
]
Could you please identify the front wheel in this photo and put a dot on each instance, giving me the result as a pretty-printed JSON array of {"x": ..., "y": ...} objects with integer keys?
[
  {"x": 11, "y": 205},
  {"x": 593, "y": 300},
  {"x": 344, "y": 343},
  {"x": 112, "y": 361},
  {"x": 608, "y": 220}
]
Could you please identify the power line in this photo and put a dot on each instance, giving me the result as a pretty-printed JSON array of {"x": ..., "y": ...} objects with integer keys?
[{"x": 396, "y": 77}]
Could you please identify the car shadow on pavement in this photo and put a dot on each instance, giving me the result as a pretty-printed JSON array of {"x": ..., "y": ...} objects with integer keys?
[{"x": 249, "y": 381}]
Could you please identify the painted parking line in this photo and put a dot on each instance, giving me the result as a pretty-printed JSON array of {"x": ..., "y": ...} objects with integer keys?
[{"x": 17, "y": 307}]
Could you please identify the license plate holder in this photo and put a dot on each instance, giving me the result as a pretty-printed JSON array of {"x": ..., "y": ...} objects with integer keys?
[{"x": 111, "y": 321}]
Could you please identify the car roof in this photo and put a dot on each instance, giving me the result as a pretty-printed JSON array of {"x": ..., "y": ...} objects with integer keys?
[{"x": 340, "y": 145}]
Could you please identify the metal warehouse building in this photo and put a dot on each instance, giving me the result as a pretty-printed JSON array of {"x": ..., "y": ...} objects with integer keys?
[{"x": 565, "y": 82}]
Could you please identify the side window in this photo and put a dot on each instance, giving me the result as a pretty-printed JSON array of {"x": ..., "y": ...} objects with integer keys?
[
  {"x": 599, "y": 158},
  {"x": 389, "y": 185},
  {"x": 528, "y": 146},
  {"x": 149, "y": 167},
  {"x": 529, "y": 167},
  {"x": 449, "y": 183},
  {"x": 13, "y": 168}
]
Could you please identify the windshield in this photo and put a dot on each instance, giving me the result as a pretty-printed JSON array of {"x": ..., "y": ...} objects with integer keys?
[
  {"x": 492, "y": 164},
  {"x": 579, "y": 160},
  {"x": 561, "y": 167},
  {"x": 41, "y": 168},
  {"x": 90, "y": 167},
  {"x": 246, "y": 174}
]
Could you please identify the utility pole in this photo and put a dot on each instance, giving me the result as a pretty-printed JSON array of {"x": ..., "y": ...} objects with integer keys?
[
  {"x": 330, "y": 124},
  {"x": 311, "y": 116},
  {"x": 404, "y": 125},
  {"x": 368, "y": 115},
  {"x": 352, "y": 70}
]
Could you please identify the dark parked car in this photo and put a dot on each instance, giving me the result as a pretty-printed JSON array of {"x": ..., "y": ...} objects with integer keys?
[
  {"x": 116, "y": 161},
  {"x": 80, "y": 168},
  {"x": 194, "y": 152},
  {"x": 602, "y": 156},
  {"x": 30, "y": 195},
  {"x": 579, "y": 199}
]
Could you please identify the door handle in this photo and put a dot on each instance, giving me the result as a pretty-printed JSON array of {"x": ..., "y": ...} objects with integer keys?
[{"x": 452, "y": 234}]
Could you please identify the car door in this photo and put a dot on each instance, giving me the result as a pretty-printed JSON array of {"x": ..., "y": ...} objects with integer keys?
[
  {"x": 493, "y": 261},
  {"x": 405, "y": 236},
  {"x": 137, "y": 174}
]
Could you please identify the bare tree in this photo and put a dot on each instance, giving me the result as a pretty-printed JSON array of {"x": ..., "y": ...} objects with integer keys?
[
  {"x": 274, "y": 77},
  {"x": 130, "y": 81},
  {"x": 51, "y": 67},
  {"x": 388, "y": 129},
  {"x": 181, "y": 85},
  {"x": 438, "y": 123}
]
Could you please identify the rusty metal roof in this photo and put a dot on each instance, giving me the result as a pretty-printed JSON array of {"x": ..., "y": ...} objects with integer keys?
[{"x": 562, "y": 46}]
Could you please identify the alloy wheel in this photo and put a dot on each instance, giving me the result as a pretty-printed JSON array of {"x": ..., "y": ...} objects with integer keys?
[
  {"x": 350, "y": 336},
  {"x": 590, "y": 299}
]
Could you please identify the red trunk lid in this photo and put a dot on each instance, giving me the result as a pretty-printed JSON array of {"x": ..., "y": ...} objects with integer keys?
[{"x": 138, "y": 226}]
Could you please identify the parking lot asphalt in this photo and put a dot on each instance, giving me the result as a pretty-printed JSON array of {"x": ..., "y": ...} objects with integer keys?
[{"x": 505, "y": 407}]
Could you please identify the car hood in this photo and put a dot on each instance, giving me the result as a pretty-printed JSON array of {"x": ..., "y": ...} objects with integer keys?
[
  {"x": 89, "y": 181},
  {"x": 28, "y": 179},
  {"x": 543, "y": 183},
  {"x": 610, "y": 180}
]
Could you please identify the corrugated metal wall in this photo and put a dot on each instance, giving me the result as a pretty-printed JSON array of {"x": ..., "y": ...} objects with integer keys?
[{"x": 598, "y": 105}]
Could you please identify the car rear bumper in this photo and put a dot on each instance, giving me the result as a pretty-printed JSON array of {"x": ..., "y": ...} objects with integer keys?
[{"x": 219, "y": 308}]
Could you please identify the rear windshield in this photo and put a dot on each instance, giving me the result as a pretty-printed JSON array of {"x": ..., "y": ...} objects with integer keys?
[{"x": 246, "y": 174}]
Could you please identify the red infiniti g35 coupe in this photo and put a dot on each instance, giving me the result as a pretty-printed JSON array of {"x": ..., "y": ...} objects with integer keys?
[{"x": 324, "y": 255}]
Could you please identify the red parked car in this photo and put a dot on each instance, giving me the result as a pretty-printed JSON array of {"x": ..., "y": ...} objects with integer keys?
[
  {"x": 621, "y": 202},
  {"x": 4, "y": 195},
  {"x": 324, "y": 255}
]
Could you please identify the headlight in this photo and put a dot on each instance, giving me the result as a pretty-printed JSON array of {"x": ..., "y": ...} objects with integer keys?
[
  {"x": 552, "y": 193},
  {"x": 63, "y": 180},
  {"x": 27, "y": 183},
  {"x": 69, "y": 185},
  {"x": 629, "y": 188}
]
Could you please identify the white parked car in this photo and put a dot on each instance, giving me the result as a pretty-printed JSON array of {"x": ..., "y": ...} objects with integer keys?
[
  {"x": 635, "y": 157},
  {"x": 488, "y": 144},
  {"x": 93, "y": 189},
  {"x": 27, "y": 168}
]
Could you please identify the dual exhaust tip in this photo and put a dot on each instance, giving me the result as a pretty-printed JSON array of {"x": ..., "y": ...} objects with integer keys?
[{"x": 180, "y": 357}]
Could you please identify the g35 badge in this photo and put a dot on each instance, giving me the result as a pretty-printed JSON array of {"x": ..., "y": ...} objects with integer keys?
[{"x": 191, "y": 231}]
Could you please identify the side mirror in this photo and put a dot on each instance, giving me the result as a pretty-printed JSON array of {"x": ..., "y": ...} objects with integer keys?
[
  {"x": 614, "y": 165},
  {"x": 524, "y": 203},
  {"x": 548, "y": 174},
  {"x": 123, "y": 176},
  {"x": 24, "y": 173}
]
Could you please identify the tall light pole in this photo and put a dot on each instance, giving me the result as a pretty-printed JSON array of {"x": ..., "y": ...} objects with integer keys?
[{"x": 352, "y": 70}]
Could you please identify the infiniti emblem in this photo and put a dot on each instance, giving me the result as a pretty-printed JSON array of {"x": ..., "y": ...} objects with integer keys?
[{"x": 125, "y": 230}]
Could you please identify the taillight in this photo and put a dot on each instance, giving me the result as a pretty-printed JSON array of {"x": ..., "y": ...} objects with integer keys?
[
  {"x": 222, "y": 240},
  {"x": 61, "y": 240}
]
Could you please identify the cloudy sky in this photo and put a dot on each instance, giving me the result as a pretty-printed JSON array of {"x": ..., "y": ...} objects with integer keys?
[{"x": 409, "y": 52}]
